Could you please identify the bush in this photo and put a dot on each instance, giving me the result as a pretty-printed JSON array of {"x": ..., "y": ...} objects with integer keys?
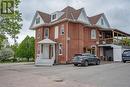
[{"x": 5, "y": 54}]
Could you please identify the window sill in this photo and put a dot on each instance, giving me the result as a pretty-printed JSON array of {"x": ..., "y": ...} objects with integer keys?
[{"x": 60, "y": 54}]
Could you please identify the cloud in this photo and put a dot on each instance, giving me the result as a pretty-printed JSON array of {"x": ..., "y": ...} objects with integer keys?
[{"x": 117, "y": 11}]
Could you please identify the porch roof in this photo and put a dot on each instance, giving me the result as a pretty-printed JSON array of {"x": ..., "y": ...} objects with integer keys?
[{"x": 46, "y": 41}]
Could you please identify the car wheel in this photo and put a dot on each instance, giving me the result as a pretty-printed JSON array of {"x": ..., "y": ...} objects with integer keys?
[
  {"x": 98, "y": 62},
  {"x": 85, "y": 63},
  {"x": 75, "y": 64}
]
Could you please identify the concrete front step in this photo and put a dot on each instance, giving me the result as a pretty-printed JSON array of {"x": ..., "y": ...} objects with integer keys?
[{"x": 44, "y": 62}]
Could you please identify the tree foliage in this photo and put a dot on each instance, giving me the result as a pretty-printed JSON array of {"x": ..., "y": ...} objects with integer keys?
[
  {"x": 11, "y": 24},
  {"x": 5, "y": 54},
  {"x": 26, "y": 48},
  {"x": 126, "y": 41},
  {"x": 2, "y": 37}
]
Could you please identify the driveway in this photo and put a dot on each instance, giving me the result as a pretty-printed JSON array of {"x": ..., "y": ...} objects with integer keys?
[{"x": 27, "y": 75}]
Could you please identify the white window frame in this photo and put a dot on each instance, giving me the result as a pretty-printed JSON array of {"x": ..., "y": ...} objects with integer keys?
[
  {"x": 60, "y": 49},
  {"x": 56, "y": 32},
  {"x": 62, "y": 30},
  {"x": 46, "y": 30},
  {"x": 53, "y": 16},
  {"x": 93, "y": 34},
  {"x": 102, "y": 21},
  {"x": 38, "y": 20}
]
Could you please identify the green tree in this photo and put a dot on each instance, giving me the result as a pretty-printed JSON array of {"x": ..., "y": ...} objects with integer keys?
[
  {"x": 2, "y": 37},
  {"x": 126, "y": 41},
  {"x": 5, "y": 54},
  {"x": 14, "y": 48},
  {"x": 11, "y": 24},
  {"x": 26, "y": 48}
]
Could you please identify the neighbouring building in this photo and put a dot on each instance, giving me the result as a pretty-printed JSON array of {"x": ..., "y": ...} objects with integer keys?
[{"x": 60, "y": 35}]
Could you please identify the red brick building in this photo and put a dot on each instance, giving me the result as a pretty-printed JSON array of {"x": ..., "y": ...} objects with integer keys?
[{"x": 64, "y": 33}]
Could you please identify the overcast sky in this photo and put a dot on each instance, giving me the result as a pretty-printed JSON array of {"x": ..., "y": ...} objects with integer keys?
[{"x": 116, "y": 11}]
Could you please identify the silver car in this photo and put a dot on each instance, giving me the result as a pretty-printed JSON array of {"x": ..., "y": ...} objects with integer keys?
[{"x": 85, "y": 59}]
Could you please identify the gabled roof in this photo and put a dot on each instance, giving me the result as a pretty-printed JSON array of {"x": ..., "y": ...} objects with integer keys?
[
  {"x": 70, "y": 13},
  {"x": 68, "y": 9},
  {"x": 94, "y": 19},
  {"x": 46, "y": 17}
]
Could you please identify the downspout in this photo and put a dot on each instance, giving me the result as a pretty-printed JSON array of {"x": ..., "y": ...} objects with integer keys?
[
  {"x": 67, "y": 26},
  {"x": 78, "y": 38},
  {"x": 66, "y": 59}
]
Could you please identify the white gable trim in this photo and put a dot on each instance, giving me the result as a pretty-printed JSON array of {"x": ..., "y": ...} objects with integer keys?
[
  {"x": 83, "y": 17},
  {"x": 106, "y": 23},
  {"x": 33, "y": 24}
]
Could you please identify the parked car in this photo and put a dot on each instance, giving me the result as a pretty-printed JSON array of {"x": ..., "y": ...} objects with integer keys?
[
  {"x": 85, "y": 59},
  {"x": 126, "y": 56}
]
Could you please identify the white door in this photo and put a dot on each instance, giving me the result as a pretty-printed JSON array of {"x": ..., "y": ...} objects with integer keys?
[{"x": 46, "y": 51}]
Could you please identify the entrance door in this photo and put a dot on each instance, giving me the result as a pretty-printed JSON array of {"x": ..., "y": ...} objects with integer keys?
[
  {"x": 46, "y": 51},
  {"x": 108, "y": 53}
]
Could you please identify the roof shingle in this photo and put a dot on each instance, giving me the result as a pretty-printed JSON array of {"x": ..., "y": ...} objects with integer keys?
[
  {"x": 94, "y": 19},
  {"x": 46, "y": 17}
]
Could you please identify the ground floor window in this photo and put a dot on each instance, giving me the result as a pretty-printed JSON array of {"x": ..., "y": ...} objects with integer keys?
[
  {"x": 90, "y": 50},
  {"x": 93, "y": 50},
  {"x": 60, "y": 48}
]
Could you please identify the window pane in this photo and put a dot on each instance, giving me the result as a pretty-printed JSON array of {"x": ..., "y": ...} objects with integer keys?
[
  {"x": 56, "y": 32},
  {"x": 38, "y": 20},
  {"x": 60, "y": 48},
  {"x": 62, "y": 30},
  {"x": 46, "y": 33},
  {"x": 102, "y": 22},
  {"x": 93, "y": 34}
]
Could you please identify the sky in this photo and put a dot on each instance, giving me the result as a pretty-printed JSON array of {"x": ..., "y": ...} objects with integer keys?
[{"x": 116, "y": 11}]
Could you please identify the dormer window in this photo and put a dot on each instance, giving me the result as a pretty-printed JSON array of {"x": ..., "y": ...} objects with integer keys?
[
  {"x": 53, "y": 16},
  {"x": 38, "y": 20}
]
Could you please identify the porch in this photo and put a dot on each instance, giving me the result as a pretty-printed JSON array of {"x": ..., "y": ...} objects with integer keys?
[
  {"x": 112, "y": 42},
  {"x": 114, "y": 36},
  {"x": 47, "y": 52}
]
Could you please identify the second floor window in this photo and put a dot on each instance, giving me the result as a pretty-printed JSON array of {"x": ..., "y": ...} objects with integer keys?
[
  {"x": 38, "y": 20},
  {"x": 62, "y": 30},
  {"x": 46, "y": 33},
  {"x": 93, "y": 34},
  {"x": 56, "y": 32}
]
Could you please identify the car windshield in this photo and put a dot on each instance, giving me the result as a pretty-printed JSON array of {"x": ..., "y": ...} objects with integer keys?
[{"x": 126, "y": 53}]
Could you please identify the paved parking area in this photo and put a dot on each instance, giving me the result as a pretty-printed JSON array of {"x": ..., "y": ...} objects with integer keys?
[{"x": 28, "y": 75}]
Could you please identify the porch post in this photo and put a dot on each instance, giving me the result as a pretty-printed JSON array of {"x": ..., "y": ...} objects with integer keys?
[
  {"x": 53, "y": 51},
  {"x": 113, "y": 34}
]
